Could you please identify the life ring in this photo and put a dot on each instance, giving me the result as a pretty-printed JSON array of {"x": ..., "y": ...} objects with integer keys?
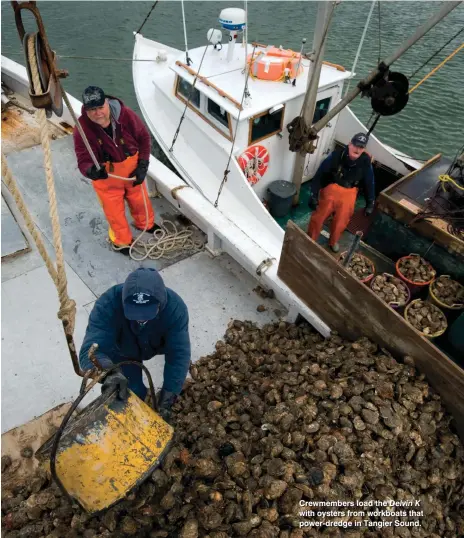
[{"x": 254, "y": 162}]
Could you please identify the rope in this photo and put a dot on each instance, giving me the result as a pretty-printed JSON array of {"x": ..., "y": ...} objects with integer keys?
[
  {"x": 361, "y": 42},
  {"x": 435, "y": 69},
  {"x": 165, "y": 243},
  {"x": 445, "y": 178},
  {"x": 67, "y": 312},
  {"x": 227, "y": 171},
  {"x": 435, "y": 54},
  {"x": 147, "y": 17}
]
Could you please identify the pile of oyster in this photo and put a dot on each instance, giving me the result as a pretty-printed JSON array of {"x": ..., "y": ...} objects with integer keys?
[
  {"x": 359, "y": 266},
  {"x": 426, "y": 317},
  {"x": 448, "y": 291},
  {"x": 274, "y": 418},
  {"x": 390, "y": 289},
  {"x": 416, "y": 269}
]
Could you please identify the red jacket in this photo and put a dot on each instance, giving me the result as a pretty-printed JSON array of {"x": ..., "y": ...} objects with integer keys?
[{"x": 128, "y": 126}]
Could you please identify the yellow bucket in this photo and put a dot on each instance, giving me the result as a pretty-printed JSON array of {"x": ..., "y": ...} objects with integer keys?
[
  {"x": 108, "y": 449},
  {"x": 447, "y": 309}
]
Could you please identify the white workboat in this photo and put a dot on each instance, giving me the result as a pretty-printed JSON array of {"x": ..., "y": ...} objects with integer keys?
[{"x": 209, "y": 127}]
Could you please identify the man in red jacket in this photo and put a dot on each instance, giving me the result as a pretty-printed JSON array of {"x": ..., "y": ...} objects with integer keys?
[{"x": 121, "y": 143}]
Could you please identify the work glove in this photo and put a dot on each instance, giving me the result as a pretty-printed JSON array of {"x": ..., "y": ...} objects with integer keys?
[
  {"x": 369, "y": 210},
  {"x": 115, "y": 380},
  {"x": 166, "y": 400},
  {"x": 95, "y": 174},
  {"x": 140, "y": 172}
]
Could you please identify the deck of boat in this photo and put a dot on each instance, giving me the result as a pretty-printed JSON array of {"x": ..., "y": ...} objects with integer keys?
[{"x": 36, "y": 369}]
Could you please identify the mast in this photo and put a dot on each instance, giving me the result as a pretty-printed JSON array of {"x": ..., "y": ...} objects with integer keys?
[{"x": 324, "y": 15}]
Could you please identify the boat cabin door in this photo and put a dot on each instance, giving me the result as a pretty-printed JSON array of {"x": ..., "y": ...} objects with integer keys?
[{"x": 326, "y": 100}]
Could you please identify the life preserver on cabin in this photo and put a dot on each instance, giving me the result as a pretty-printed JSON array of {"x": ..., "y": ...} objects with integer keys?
[
  {"x": 254, "y": 162},
  {"x": 275, "y": 64}
]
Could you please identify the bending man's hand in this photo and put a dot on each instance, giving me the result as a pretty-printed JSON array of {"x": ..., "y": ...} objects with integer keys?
[{"x": 116, "y": 380}]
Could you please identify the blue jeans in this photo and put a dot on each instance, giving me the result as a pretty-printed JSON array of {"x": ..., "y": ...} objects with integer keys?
[{"x": 134, "y": 376}]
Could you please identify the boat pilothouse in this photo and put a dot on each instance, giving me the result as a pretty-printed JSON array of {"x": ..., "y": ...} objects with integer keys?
[
  {"x": 251, "y": 92},
  {"x": 236, "y": 100}
]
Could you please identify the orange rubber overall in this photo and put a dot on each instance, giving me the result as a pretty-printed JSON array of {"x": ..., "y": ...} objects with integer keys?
[
  {"x": 112, "y": 192},
  {"x": 333, "y": 199}
]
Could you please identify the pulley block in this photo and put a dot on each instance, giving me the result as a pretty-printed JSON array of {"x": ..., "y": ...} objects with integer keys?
[
  {"x": 51, "y": 98},
  {"x": 389, "y": 95}
]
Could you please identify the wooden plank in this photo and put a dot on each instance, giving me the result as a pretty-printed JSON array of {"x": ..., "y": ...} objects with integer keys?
[{"x": 353, "y": 310}]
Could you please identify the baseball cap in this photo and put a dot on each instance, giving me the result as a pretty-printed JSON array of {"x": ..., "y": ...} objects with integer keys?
[
  {"x": 93, "y": 97},
  {"x": 359, "y": 140},
  {"x": 141, "y": 294}
]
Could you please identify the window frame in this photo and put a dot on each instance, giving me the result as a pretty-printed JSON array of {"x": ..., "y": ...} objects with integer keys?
[
  {"x": 250, "y": 129},
  {"x": 202, "y": 111},
  {"x": 328, "y": 108}
]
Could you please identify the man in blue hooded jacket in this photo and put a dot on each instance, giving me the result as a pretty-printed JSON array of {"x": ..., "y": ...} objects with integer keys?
[{"x": 136, "y": 321}]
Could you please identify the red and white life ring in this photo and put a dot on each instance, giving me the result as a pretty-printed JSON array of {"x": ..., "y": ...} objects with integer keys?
[{"x": 254, "y": 162}]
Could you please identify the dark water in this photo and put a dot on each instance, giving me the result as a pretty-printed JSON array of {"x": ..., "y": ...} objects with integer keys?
[{"x": 432, "y": 122}]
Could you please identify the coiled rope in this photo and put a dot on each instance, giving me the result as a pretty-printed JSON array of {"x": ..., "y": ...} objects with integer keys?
[
  {"x": 445, "y": 178},
  {"x": 165, "y": 243}
]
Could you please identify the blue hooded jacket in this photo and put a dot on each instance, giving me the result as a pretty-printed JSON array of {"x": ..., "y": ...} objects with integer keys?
[{"x": 120, "y": 339}]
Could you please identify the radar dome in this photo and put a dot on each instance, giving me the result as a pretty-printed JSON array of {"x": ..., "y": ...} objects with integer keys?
[{"x": 233, "y": 18}]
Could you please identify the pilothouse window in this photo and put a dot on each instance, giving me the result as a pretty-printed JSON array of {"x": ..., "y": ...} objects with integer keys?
[
  {"x": 218, "y": 113},
  {"x": 187, "y": 91},
  {"x": 322, "y": 107},
  {"x": 266, "y": 125}
]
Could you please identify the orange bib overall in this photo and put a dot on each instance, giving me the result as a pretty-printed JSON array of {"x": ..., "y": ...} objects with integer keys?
[
  {"x": 111, "y": 193},
  {"x": 333, "y": 199}
]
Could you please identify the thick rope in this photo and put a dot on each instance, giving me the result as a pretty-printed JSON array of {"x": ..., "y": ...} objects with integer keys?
[
  {"x": 67, "y": 312},
  {"x": 20, "y": 204}
]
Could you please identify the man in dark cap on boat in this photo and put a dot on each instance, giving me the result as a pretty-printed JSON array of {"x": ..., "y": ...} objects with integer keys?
[
  {"x": 136, "y": 321},
  {"x": 334, "y": 189},
  {"x": 121, "y": 143}
]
